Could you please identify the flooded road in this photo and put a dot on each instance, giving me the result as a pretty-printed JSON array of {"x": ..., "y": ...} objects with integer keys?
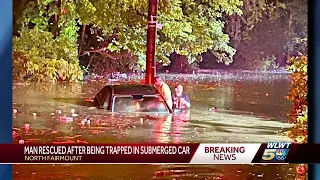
[
  {"x": 154, "y": 172},
  {"x": 247, "y": 111}
]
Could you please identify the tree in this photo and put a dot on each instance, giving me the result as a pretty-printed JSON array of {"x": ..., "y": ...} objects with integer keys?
[
  {"x": 45, "y": 47},
  {"x": 280, "y": 24},
  {"x": 190, "y": 27}
]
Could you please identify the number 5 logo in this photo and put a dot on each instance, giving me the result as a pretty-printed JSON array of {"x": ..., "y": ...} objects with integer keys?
[{"x": 268, "y": 154}]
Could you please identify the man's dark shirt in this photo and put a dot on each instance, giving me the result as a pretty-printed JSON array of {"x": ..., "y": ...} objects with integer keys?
[{"x": 176, "y": 98}]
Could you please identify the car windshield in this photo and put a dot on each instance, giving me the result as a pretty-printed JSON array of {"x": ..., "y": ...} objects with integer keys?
[{"x": 139, "y": 104}]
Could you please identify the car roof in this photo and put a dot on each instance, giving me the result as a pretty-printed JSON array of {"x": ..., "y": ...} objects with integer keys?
[{"x": 133, "y": 89}]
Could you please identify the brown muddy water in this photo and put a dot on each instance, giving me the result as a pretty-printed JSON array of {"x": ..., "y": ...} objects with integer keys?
[{"x": 248, "y": 111}]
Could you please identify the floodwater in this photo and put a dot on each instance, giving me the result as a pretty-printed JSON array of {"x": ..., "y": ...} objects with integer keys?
[{"x": 247, "y": 111}]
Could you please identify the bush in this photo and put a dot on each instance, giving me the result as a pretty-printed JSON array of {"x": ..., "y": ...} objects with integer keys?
[
  {"x": 40, "y": 56},
  {"x": 269, "y": 63},
  {"x": 261, "y": 63},
  {"x": 298, "y": 95}
]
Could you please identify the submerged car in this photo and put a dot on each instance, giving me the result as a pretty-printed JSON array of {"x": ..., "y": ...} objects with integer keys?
[{"x": 131, "y": 98}]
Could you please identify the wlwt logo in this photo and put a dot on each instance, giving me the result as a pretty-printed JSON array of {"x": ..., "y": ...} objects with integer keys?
[{"x": 276, "y": 152}]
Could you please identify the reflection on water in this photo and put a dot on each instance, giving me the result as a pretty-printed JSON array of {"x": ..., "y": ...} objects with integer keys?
[
  {"x": 247, "y": 111},
  {"x": 263, "y": 98}
]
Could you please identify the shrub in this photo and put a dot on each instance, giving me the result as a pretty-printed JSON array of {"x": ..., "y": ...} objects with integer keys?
[
  {"x": 40, "y": 56},
  {"x": 269, "y": 63},
  {"x": 298, "y": 95},
  {"x": 261, "y": 63}
]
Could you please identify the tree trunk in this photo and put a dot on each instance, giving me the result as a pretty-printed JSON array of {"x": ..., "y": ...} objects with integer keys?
[
  {"x": 57, "y": 16},
  {"x": 82, "y": 38}
]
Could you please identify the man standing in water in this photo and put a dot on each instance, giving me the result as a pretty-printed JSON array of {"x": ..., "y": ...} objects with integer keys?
[
  {"x": 164, "y": 89},
  {"x": 180, "y": 100}
]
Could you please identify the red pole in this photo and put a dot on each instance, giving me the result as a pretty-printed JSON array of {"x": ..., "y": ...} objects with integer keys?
[{"x": 151, "y": 42}]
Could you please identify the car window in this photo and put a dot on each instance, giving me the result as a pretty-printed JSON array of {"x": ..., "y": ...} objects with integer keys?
[
  {"x": 134, "y": 104},
  {"x": 104, "y": 97},
  {"x": 106, "y": 103}
]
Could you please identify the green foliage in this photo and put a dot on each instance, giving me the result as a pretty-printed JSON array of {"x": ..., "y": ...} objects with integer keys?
[
  {"x": 189, "y": 27},
  {"x": 280, "y": 25},
  {"x": 298, "y": 95},
  {"x": 259, "y": 63},
  {"x": 257, "y": 10},
  {"x": 46, "y": 47},
  {"x": 269, "y": 63},
  {"x": 37, "y": 53},
  {"x": 254, "y": 11},
  {"x": 292, "y": 15},
  {"x": 296, "y": 13},
  {"x": 86, "y": 11}
]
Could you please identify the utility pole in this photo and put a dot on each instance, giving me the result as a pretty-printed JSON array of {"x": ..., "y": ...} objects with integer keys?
[{"x": 151, "y": 42}]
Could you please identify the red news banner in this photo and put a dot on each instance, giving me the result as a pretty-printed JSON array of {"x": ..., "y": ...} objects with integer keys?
[{"x": 274, "y": 152}]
